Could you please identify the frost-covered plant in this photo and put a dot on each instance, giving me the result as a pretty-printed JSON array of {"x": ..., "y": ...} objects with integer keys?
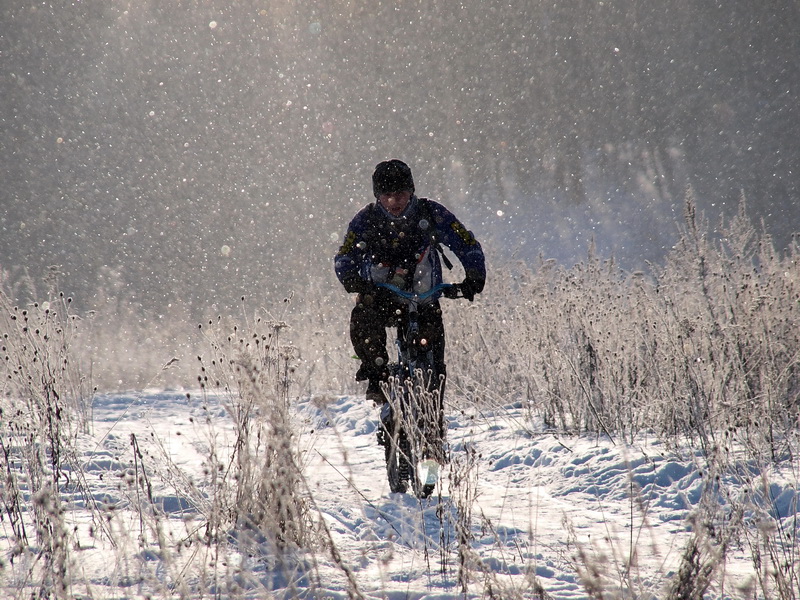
[
  {"x": 44, "y": 406},
  {"x": 261, "y": 475},
  {"x": 707, "y": 342}
]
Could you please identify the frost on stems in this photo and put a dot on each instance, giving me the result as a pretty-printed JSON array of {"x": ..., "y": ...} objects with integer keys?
[
  {"x": 44, "y": 406},
  {"x": 708, "y": 341},
  {"x": 261, "y": 488}
]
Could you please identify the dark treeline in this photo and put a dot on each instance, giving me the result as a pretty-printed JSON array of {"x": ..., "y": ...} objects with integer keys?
[{"x": 159, "y": 152}]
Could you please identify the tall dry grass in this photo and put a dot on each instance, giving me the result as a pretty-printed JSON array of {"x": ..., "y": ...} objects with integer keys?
[
  {"x": 703, "y": 351},
  {"x": 257, "y": 486},
  {"x": 707, "y": 343},
  {"x": 250, "y": 370},
  {"x": 700, "y": 350},
  {"x": 45, "y": 405}
]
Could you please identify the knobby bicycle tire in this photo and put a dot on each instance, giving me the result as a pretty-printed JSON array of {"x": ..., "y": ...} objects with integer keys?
[{"x": 399, "y": 451}]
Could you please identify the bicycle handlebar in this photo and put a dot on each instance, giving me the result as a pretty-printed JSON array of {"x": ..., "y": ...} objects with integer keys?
[{"x": 448, "y": 290}]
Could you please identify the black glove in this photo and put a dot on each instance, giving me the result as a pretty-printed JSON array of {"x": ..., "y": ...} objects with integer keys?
[
  {"x": 472, "y": 284},
  {"x": 357, "y": 285}
]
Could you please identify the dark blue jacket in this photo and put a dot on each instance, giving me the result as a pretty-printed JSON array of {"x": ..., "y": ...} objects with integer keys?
[{"x": 403, "y": 250}]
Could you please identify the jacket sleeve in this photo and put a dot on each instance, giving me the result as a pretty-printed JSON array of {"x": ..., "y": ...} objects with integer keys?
[
  {"x": 452, "y": 233},
  {"x": 349, "y": 259}
]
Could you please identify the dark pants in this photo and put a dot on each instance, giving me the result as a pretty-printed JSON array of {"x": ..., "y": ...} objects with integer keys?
[{"x": 369, "y": 320}]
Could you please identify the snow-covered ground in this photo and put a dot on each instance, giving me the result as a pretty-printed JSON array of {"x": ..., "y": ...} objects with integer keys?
[{"x": 514, "y": 509}]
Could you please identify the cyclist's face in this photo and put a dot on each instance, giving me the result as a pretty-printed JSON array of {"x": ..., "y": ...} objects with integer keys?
[{"x": 395, "y": 202}]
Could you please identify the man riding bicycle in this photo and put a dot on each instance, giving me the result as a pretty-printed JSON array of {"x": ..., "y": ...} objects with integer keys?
[{"x": 397, "y": 240}]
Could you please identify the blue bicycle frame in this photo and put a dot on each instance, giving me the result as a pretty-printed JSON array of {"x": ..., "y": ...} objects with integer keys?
[
  {"x": 408, "y": 346},
  {"x": 405, "y": 424},
  {"x": 421, "y": 297}
]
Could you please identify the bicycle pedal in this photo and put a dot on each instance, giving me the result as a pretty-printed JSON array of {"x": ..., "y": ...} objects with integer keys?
[{"x": 428, "y": 472}]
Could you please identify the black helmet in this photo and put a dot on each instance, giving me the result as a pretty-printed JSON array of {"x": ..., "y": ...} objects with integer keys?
[{"x": 392, "y": 176}]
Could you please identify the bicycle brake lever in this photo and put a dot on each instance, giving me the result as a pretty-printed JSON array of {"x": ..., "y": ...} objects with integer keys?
[{"x": 452, "y": 291}]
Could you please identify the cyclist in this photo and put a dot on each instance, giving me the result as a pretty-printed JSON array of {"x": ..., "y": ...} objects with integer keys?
[{"x": 397, "y": 239}]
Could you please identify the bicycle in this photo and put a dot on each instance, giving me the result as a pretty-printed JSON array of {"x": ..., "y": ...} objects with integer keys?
[{"x": 412, "y": 426}]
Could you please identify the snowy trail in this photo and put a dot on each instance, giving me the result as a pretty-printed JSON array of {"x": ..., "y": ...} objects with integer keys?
[
  {"x": 522, "y": 500},
  {"x": 526, "y": 486}
]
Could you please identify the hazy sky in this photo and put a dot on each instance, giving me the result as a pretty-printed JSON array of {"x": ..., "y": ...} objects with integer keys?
[{"x": 165, "y": 150}]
